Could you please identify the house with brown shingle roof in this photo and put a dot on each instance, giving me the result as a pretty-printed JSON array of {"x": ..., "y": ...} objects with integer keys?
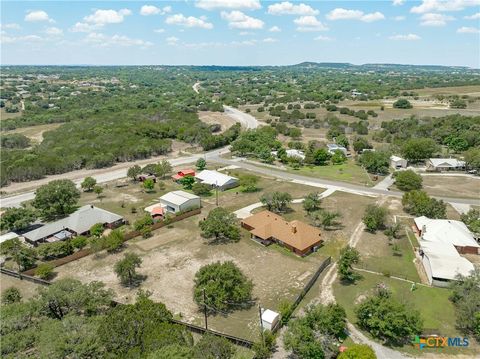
[{"x": 267, "y": 227}]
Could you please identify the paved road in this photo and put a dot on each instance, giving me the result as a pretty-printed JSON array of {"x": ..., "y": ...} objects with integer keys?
[{"x": 247, "y": 121}]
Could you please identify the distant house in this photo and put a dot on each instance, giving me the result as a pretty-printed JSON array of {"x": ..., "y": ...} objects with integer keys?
[
  {"x": 445, "y": 164},
  {"x": 144, "y": 176},
  {"x": 217, "y": 179},
  {"x": 441, "y": 243},
  {"x": 266, "y": 227},
  {"x": 179, "y": 201},
  {"x": 398, "y": 162},
  {"x": 182, "y": 173},
  {"x": 78, "y": 223},
  {"x": 332, "y": 147}
]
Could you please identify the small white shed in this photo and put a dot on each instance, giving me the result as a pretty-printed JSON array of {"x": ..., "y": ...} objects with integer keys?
[
  {"x": 398, "y": 162},
  {"x": 270, "y": 319}
]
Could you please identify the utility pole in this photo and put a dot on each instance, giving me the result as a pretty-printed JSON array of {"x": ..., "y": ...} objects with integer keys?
[
  {"x": 205, "y": 308},
  {"x": 261, "y": 324}
]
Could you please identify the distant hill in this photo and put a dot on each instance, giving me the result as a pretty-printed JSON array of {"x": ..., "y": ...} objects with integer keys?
[{"x": 377, "y": 67}]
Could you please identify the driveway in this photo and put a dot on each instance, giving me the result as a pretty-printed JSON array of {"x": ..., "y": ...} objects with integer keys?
[{"x": 247, "y": 121}]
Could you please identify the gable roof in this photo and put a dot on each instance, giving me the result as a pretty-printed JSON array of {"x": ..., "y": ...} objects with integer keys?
[
  {"x": 297, "y": 234},
  {"x": 79, "y": 221},
  {"x": 445, "y": 262},
  {"x": 396, "y": 158},
  {"x": 446, "y": 162},
  {"x": 446, "y": 231},
  {"x": 215, "y": 178},
  {"x": 178, "y": 197}
]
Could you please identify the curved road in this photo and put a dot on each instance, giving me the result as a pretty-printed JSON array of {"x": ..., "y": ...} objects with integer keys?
[{"x": 247, "y": 121}]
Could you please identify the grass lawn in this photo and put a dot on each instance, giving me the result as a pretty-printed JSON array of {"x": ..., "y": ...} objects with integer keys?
[
  {"x": 433, "y": 304},
  {"x": 347, "y": 172}
]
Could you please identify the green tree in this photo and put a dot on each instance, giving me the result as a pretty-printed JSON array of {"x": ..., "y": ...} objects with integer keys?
[
  {"x": 338, "y": 157},
  {"x": 360, "y": 144},
  {"x": 148, "y": 185},
  {"x": 201, "y": 164},
  {"x": 385, "y": 318},
  {"x": 56, "y": 199},
  {"x": 213, "y": 347},
  {"x": 187, "y": 182},
  {"x": 202, "y": 189},
  {"x": 466, "y": 299},
  {"x": 55, "y": 249},
  {"x": 419, "y": 203},
  {"x": 11, "y": 295},
  {"x": 88, "y": 184},
  {"x": 419, "y": 149},
  {"x": 458, "y": 103},
  {"x": 276, "y": 201},
  {"x": 134, "y": 171},
  {"x": 348, "y": 257},
  {"x": 16, "y": 219},
  {"x": 472, "y": 158},
  {"x": 375, "y": 217},
  {"x": 407, "y": 180},
  {"x": 44, "y": 270},
  {"x": 163, "y": 168},
  {"x": 97, "y": 230},
  {"x": 248, "y": 182},
  {"x": 326, "y": 219},
  {"x": 220, "y": 226},
  {"x": 358, "y": 351},
  {"x": 321, "y": 157},
  {"x": 342, "y": 140},
  {"x": 172, "y": 351},
  {"x": 114, "y": 241},
  {"x": 98, "y": 190},
  {"x": 312, "y": 202},
  {"x": 68, "y": 295},
  {"x": 226, "y": 287},
  {"x": 472, "y": 220},
  {"x": 402, "y": 103},
  {"x": 375, "y": 162},
  {"x": 23, "y": 256},
  {"x": 125, "y": 269},
  {"x": 264, "y": 349},
  {"x": 145, "y": 221}
]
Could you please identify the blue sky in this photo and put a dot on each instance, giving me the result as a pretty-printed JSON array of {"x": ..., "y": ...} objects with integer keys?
[{"x": 240, "y": 32}]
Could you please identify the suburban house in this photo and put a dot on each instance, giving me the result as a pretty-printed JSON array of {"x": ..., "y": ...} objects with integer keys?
[
  {"x": 445, "y": 164},
  {"x": 332, "y": 147},
  {"x": 266, "y": 228},
  {"x": 182, "y": 173},
  {"x": 398, "y": 162},
  {"x": 179, "y": 201},
  {"x": 217, "y": 179},
  {"x": 155, "y": 210},
  {"x": 291, "y": 153},
  {"x": 78, "y": 223},
  {"x": 441, "y": 243}
]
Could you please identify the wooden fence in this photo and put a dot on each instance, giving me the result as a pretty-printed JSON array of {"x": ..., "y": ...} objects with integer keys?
[
  {"x": 192, "y": 327},
  {"x": 129, "y": 235}
]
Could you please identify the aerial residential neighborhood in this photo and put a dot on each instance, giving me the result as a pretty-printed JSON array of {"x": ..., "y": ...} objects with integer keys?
[{"x": 240, "y": 179}]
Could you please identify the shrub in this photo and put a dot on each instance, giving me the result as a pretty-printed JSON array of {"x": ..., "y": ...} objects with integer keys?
[
  {"x": 202, "y": 189},
  {"x": 11, "y": 295},
  {"x": 44, "y": 270},
  {"x": 407, "y": 180},
  {"x": 375, "y": 217},
  {"x": 79, "y": 242},
  {"x": 402, "y": 103},
  {"x": 55, "y": 249},
  {"x": 141, "y": 223}
]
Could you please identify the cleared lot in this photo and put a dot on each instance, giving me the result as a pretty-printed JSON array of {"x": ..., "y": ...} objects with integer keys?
[{"x": 454, "y": 186}]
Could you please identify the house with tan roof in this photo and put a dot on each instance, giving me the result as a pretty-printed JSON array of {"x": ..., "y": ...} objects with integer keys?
[{"x": 267, "y": 227}]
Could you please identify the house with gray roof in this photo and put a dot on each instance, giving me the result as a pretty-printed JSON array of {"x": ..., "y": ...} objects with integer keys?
[{"x": 78, "y": 223}]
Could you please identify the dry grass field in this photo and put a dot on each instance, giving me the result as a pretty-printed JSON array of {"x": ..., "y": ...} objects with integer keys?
[
  {"x": 210, "y": 118},
  {"x": 27, "y": 289},
  {"x": 453, "y": 186}
]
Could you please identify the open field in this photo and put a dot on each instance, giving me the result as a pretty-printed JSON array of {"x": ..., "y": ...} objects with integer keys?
[
  {"x": 454, "y": 186},
  {"x": 210, "y": 117},
  {"x": 346, "y": 172},
  {"x": 433, "y": 304},
  {"x": 4, "y": 115},
  {"x": 27, "y": 289},
  {"x": 35, "y": 133},
  {"x": 472, "y": 91}
]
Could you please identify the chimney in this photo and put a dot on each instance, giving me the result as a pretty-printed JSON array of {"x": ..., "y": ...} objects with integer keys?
[
  {"x": 294, "y": 229},
  {"x": 91, "y": 206},
  {"x": 424, "y": 229}
]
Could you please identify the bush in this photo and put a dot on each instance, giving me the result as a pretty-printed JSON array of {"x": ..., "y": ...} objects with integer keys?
[
  {"x": 141, "y": 223},
  {"x": 79, "y": 242},
  {"x": 358, "y": 351},
  {"x": 407, "y": 180},
  {"x": 348, "y": 257},
  {"x": 375, "y": 217},
  {"x": 44, "y": 270},
  {"x": 114, "y": 241},
  {"x": 202, "y": 189},
  {"x": 11, "y": 295},
  {"x": 419, "y": 203},
  {"x": 97, "y": 230},
  {"x": 402, "y": 103},
  {"x": 55, "y": 249}
]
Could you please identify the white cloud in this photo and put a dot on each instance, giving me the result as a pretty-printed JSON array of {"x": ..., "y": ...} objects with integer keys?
[
  {"x": 270, "y": 40},
  {"x": 7, "y": 39},
  {"x": 345, "y": 14},
  {"x": 172, "y": 40},
  {"x": 399, "y": 18},
  {"x": 473, "y": 17},
  {"x": 408, "y": 37},
  {"x": 188, "y": 21},
  {"x": 287, "y": 8},
  {"x": 238, "y": 20},
  {"x": 103, "y": 40},
  {"x": 245, "y": 33},
  {"x": 84, "y": 27},
  {"x": 228, "y": 4},
  {"x": 53, "y": 31},
  {"x": 37, "y": 15},
  {"x": 102, "y": 17},
  {"x": 11, "y": 26},
  {"x": 309, "y": 23},
  {"x": 443, "y": 5},
  {"x": 159, "y": 31},
  {"x": 244, "y": 43},
  {"x": 147, "y": 10},
  {"x": 398, "y": 2},
  {"x": 431, "y": 19},
  {"x": 323, "y": 38},
  {"x": 274, "y": 29},
  {"x": 468, "y": 30}
]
